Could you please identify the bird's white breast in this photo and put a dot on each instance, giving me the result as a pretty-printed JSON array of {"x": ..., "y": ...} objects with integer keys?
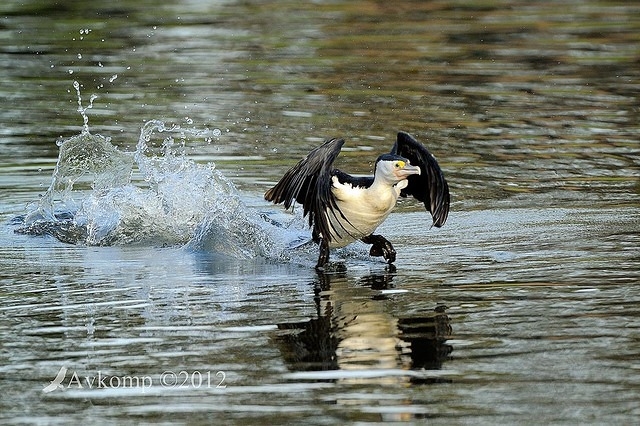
[{"x": 364, "y": 209}]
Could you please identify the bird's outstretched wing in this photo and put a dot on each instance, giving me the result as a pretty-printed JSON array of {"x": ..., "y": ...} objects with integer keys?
[
  {"x": 309, "y": 184},
  {"x": 429, "y": 186}
]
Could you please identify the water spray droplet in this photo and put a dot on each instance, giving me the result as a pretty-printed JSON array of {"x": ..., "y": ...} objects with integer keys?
[
  {"x": 113, "y": 78},
  {"x": 216, "y": 133},
  {"x": 83, "y": 110}
]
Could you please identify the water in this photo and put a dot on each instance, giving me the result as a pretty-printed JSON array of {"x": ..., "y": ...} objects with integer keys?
[{"x": 167, "y": 305}]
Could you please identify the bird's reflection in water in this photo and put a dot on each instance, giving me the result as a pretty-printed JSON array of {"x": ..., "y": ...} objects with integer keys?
[{"x": 356, "y": 330}]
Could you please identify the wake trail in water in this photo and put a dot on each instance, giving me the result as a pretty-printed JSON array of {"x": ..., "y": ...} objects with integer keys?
[{"x": 100, "y": 195}]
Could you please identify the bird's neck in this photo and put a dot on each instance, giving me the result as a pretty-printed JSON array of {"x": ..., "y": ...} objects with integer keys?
[
  {"x": 382, "y": 185},
  {"x": 386, "y": 192}
]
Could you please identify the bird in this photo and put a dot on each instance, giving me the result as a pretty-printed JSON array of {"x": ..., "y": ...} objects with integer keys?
[{"x": 342, "y": 208}]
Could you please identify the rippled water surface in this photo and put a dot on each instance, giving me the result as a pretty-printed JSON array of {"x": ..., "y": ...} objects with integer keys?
[{"x": 172, "y": 295}]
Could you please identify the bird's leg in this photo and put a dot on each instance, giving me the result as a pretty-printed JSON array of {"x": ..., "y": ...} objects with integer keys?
[
  {"x": 380, "y": 246},
  {"x": 323, "y": 258}
]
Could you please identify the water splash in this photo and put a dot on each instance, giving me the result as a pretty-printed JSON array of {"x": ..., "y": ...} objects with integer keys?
[
  {"x": 83, "y": 159},
  {"x": 83, "y": 110},
  {"x": 156, "y": 195}
]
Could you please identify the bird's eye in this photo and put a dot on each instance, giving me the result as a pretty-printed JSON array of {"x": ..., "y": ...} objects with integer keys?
[{"x": 399, "y": 165}]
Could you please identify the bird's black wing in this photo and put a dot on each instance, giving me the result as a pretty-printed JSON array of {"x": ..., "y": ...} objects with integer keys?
[
  {"x": 429, "y": 186},
  {"x": 309, "y": 184}
]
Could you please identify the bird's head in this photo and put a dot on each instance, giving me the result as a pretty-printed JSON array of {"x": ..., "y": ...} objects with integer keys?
[{"x": 393, "y": 168}]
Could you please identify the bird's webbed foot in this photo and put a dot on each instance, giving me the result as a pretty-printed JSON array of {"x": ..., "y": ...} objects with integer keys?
[
  {"x": 323, "y": 258},
  {"x": 380, "y": 246}
]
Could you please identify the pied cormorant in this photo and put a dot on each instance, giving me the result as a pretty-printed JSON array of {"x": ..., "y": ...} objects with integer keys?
[{"x": 343, "y": 208}]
